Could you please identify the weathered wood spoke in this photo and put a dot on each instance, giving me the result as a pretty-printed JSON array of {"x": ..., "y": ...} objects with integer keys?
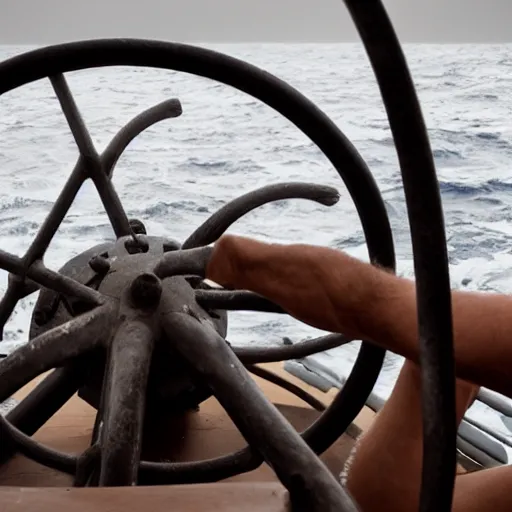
[
  {"x": 220, "y": 221},
  {"x": 254, "y": 355},
  {"x": 91, "y": 160},
  {"x": 235, "y": 300},
  {"x": 257, "y": 419},
  {"x": 75, "y": 121},
  {"x": 121, "y": 437},
  {"x": 190, "y": 261},
  {"x": 54, "y": 347},
  {"x": 47, "y": 278},
  {"x": 167, "y": 109}
]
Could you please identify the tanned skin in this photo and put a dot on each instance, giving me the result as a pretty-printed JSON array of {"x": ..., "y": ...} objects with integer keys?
[{"x": 333, "y": 291}]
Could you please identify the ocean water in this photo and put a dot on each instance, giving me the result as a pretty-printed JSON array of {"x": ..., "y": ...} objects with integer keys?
[{"x": 177, "y": 173}]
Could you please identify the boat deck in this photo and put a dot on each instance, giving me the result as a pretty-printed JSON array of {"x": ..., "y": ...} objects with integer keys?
[{"x": 26, "y": 485}]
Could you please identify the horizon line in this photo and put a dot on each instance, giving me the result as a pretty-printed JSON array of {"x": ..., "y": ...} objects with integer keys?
[{"x": 253, "y": 41}]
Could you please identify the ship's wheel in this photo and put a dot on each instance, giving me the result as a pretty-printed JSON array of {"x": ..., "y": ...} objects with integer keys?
[{"x": 134, "y": 326}]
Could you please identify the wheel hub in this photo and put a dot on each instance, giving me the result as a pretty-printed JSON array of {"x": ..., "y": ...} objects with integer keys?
[{"x": 125, "y": 267}]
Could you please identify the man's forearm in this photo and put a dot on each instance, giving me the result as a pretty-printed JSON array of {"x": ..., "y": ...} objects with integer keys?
[
  {"x": 320, "y": 286},
  {"x": 332, "y": 291}
]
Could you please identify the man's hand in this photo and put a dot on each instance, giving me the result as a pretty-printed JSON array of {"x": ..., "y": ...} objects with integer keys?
[{"x": 223, "y": 265}]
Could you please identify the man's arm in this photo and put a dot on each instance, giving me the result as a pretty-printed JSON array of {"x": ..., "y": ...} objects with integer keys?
[{"x": 333, "y": 291}]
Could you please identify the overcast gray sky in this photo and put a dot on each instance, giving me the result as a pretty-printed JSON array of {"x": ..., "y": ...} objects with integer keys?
[{"x": 49, "y": 21}]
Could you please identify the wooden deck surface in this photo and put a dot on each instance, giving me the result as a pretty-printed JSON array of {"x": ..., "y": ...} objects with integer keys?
[{"x": 26, "y": 485}]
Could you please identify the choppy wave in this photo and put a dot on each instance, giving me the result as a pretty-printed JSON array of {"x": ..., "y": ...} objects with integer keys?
[{"x": 180, "y": 171}]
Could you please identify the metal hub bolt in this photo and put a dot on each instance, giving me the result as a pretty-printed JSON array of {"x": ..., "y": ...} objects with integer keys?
[{"x": 145, "y": 291}]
